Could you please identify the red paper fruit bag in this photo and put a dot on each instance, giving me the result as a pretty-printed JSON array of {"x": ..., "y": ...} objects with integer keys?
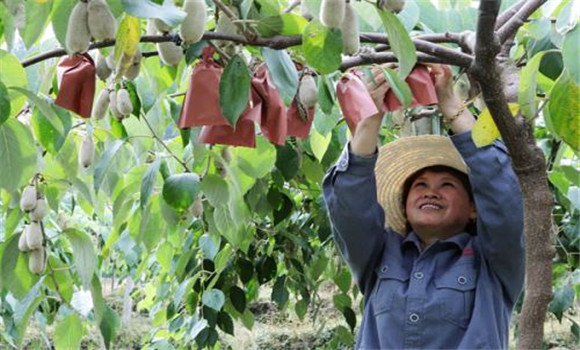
[
  {"x": 296, "y": 125},
  {"x": 422, "y": 87},
  {"x": 243, "y": 135},
  {"x": 76, "y": 80},
  {"x": 201, "y": 105},
  {"x": 354, "y": 99},
  {"x": 272, "y": 120}
]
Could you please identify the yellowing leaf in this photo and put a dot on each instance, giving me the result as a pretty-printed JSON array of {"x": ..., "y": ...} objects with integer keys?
[
  {"x": 127, "y": 42},
  {"x": 485, "y": 131}
]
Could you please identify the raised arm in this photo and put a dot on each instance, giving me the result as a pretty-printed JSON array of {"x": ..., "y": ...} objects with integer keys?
[
  {"x": 351, "y": 196},
  {"x": 496, "y": 191}
]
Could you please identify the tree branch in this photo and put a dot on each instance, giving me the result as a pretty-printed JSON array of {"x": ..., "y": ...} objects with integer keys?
[
  {"x": 509, "y": 13},
  {"x": 250, "y": 35},
  {"x": 163, "y": 144},
  {"x": 292, "y": 6},
  {"x": 517, "y": 20},
  {"x": 384, "y": 57}
]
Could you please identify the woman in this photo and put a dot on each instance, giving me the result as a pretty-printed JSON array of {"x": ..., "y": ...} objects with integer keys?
[{"x": 442, "y": 265}]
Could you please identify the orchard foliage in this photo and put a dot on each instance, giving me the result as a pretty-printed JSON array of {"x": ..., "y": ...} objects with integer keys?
[{"x": 200, "y": 229}]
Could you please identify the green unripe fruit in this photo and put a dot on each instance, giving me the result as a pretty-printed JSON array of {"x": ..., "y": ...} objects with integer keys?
[
  {"x": 78, "y": 36},
  {"x": 102, "y": 23},
  {"x": 332, "y": 13}
]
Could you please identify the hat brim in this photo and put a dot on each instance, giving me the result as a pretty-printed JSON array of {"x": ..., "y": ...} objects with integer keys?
[{"x": 402, "y": 158}]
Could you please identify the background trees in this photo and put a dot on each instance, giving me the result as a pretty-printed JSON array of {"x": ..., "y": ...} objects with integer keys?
[{"x": 194, "y": 269}]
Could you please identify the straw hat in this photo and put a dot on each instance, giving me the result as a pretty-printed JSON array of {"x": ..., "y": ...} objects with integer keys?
[{"x": 402, "y": 158}]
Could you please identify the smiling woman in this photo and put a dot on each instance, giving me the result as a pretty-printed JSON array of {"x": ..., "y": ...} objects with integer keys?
[{"x": 413, "y": 271}]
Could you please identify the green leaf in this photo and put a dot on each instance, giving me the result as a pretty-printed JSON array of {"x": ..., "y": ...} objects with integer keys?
[
  {"x": 103, "y": 165},
  {"x": 399, "y": 86},
  {"x": 181, "y": 190},
  {"x": 13, "y": 74},
  {"x": 48, "y": 137},
  {"x": 45, "y": 108},
  {"x": 280, "y": 294},
  {"x": 256, "y": 162},
  {"x": 134, "y": 96},
  {"x": 17, "y": 155},
  {"x": 400, "y": 41},
  {"x": 25, "y": 307},
  {"x": 319, "y": 144},
  {"x": 213, "y": 298},
  {"x": 215, "y": 189},
  {"x": 343, "y": 280},
  {"x": 4, "y": 103},
  {"x": 528, "y": 85},
  {"x": 62, "y": 277},
  {"x": 127, "y": 42},
  {"x": 14, "y": 273},
  {"x": 564, "y": 106},
  {"x": 325, "y": 94},
  {"x": 350, "y": 318},
  {"x": 322, "y": 47},
  {"x": 222, "y": 258},
  {"x": 283, "y": 72},
  {"x": 284, "y": 24},
  {"x": 84, "y": 255},
  {"x": 61, "y": 11},
  {"x": 301, "y": 308},
  {"x": 266, "y": 269},
  {"x": 208, "y": 246},
  {"x": 571, "y": 53},
  {"x": 562, "y": 301},
  {"x": 167, "y": 12},
  {"x": 68, "y": 333},
  {"x": 37, "y": 14},
  {"x": 287, "y": 161},
  {"x": 109, "y": 324},
  {"x": 234, "y": 89},
  {"x": 238, "y": 298},
  {"x": 225, "y": 322},
  {"x": 148, "y": 183},
  {"x": 164, "y": 255}
]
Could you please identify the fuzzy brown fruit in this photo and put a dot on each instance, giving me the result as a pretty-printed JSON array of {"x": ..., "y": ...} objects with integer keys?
[
  {"x": 22, "y": 244},
  {"x": 28, "y": 198},
  {"x": 37, "y": 261},
  {"x": 332, "y": 13},
  {"x": 113, "y": 106},
  {"x": 78, "y": 36},
  {"x": 102, "y": 23},
  {"x": 133, "y": 70},
  {"x": 170, "y": 53},
  {"x": 86, "y": 152},
  {"x": 350, "y": 33},
  {"x": 103, "y": 69},
  {"x": 308, "y": 92},
  {"x": 100, "y": 106},
  {"x": 193, "y": 26},
  {"x": 394, "y": 6},
  {"x": 33, "y": 234},
  {"x": 39, "y": 211},
  {"x": 197, "y": 208},
  {"x": 124, "y": 105}
]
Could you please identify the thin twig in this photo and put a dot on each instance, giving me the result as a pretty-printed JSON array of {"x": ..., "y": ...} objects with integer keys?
[
  {"x": 292, "y": 6},
  {"x": 164, "y": 145},
  {"x": 250, "y": 35}
]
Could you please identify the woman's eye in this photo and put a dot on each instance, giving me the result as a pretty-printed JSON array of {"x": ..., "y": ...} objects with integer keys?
[
  {"x": 419, "y": 184},
  {"x": 448, "y": 184}
]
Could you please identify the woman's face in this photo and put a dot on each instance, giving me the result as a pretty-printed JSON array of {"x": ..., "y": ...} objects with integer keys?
[{"x": 438, "y": 204}]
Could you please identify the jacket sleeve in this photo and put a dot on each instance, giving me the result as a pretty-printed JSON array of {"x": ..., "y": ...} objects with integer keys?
[
  {"x": 357, "y": 218},
  {"x": 499, "y": 206}
]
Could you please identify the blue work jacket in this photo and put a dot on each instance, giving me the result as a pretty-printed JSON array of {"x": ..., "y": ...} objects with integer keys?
[{"x": 456, "y": 293}]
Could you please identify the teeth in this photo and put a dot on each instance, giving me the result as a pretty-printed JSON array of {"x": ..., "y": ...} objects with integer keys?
[{"x": 430, "y": 206}]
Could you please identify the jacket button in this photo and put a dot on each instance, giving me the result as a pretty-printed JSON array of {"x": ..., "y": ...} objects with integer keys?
[
  {"x": 461, "y": 280},
  {"x": 418, "y": 275},
  {"x": 385, "y": 268},
  {"x": 414, "y": 318}
]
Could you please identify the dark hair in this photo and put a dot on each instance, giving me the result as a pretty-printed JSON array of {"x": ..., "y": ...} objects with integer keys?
[{"x": 462, "y": 177}]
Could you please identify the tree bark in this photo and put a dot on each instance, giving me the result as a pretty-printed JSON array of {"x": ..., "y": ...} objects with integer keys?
[{"x": 529, "y": 164}]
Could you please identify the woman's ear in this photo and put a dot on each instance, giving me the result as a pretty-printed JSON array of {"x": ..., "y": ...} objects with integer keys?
[{"x": 473, "y": 212}]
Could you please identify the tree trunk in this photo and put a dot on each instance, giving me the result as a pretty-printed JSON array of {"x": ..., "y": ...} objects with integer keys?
[{"x": 529, "y": 164}]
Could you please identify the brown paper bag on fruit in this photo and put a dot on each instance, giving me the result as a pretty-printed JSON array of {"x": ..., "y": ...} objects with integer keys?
[
  {"x": 201, "y": 105},
  {"x": 297, "y": 126},
  {"x": 76, "y": 81},
  {"x": 273, "y": 120},
  {"x": 244, "y": 133},
  {"x": 354, "y": 99},
  {"x": 422, "y": 86}
]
